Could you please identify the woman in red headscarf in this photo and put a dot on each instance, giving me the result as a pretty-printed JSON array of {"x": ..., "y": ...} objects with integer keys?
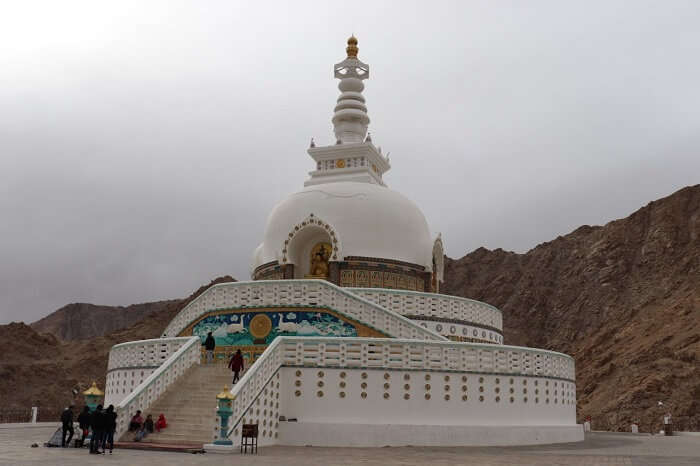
[{"x": 160, "y": 423}]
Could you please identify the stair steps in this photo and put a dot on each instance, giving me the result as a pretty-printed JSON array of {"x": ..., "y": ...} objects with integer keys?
[{"x": 189, "y": 406}]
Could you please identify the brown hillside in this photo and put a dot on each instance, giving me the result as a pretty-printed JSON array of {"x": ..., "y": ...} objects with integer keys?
[
  {"x": 81, "y": 321},
  {"x": 623, "y": 299},
  {"x": 40, "y": 370}
]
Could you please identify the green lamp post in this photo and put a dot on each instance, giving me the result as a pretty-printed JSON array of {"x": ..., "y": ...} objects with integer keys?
[
  {"x": 224, "y": 401},
  {"x": 92, "y": 396}
]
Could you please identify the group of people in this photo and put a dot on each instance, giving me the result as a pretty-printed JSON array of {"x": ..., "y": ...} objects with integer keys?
[
  {"x": 235, "y": 363},
  {"x": 143, "y": 427},
  {"x": 101, "y": 422}
]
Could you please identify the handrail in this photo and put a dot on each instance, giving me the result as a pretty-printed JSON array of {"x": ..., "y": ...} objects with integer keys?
[
  {"x": 161, "y": 377},
  {"x": 404, "y": 325},
  {"x": 502, "y": 359},
  {"x": 270, "y": 352}
]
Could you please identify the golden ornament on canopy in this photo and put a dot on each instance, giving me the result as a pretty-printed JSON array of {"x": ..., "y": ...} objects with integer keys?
[
  {"x": 93, "y": 390},
  {"x": 225, "y": 395}
]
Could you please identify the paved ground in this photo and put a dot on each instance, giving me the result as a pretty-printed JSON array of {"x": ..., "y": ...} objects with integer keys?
[{"x": 597, "y": 449}]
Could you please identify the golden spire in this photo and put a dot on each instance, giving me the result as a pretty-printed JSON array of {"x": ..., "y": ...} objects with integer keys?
[
  {"x": 93, "y": 390},
  {"x": 352, "y": 47}
]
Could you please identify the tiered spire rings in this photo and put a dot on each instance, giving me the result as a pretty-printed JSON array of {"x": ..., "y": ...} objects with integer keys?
[{"x": 350, "y": 119}]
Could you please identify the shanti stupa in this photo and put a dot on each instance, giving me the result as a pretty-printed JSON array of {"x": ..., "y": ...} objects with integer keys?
[{"x": 346, "y": 338}]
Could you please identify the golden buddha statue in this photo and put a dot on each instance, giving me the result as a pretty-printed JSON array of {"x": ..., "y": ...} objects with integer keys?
[{"x": 319, "y": 261}]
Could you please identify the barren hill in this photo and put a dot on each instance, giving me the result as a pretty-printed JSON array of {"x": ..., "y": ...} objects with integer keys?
[
  {"x": 41, "y": 370},
  {"x": 623, "y": 299},
  {"x": 80, "y": 321}
]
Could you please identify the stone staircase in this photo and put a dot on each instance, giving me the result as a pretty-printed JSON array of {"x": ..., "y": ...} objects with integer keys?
[{"x": 189, "y": 407}]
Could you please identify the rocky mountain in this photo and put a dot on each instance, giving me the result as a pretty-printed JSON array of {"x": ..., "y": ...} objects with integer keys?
[
  {"x": 623, "y": 299},
  {"x": 81, "y": 321},
  {"x": 42, "y": 370}
]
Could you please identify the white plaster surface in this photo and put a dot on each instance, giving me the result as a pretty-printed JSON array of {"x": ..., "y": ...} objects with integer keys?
[
  {"x": 380, "y": 435},
  {"x": 370, "y": 221}
]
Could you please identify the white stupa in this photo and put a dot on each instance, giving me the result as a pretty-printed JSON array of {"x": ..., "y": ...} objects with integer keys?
[
  {"x": 346, "y": 338},
  {"x": 346, "y": 203}
]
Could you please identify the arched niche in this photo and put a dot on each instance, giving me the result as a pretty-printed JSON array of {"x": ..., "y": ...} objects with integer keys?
[
  {"x": 302, "y": 246},
  {"x": 303, "y": 242}
]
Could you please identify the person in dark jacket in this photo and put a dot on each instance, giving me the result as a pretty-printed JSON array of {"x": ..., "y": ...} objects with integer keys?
[
  {"x": 67, "y": 425},
  {"x": 110, "y": 427},
  {"x": 236, "y": 365},
  {"x": 97, "y": 426},
  {"x": 84, "y": 422},
  {"x": 209, "y": 345}
]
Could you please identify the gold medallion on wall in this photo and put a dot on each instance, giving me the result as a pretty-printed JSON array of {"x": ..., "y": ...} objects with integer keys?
[{"x": 260, "y": 327}]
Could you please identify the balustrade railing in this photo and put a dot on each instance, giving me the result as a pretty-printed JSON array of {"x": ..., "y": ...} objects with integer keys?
[
  {"x": 296, "y": 293},
  {"x": 147, "y": 392},
  {"x": 433, "y": 305},
  {"x": 143, "y": 353},
  {"x": 252, "y": 383}
]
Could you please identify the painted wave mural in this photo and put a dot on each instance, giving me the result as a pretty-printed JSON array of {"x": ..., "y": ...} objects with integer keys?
[{"x": 234, "y": 329}]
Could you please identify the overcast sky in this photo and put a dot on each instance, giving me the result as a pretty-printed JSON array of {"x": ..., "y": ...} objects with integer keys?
[{"x": 143, "y": 144}]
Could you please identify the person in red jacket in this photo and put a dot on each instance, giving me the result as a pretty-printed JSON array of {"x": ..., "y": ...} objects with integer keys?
[
  {"x": 236, "y": 365},
  {"x": 160, "y": 423}
]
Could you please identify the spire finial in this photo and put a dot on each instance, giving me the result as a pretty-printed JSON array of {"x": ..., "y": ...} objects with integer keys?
[{"x": 352, "y": 47}]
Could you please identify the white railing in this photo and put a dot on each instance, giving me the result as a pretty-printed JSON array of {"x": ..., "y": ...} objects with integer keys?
[
  {"x": 299, "y": 293},
  {"x": 388, "y": 353},
  {"x": 451, "y": 308},
  {"x": 143, "y": 353},
  {"x": 395, "y": 354},
  {"x": 146, "y": 393},
  {"x": 253, "y": 381}
]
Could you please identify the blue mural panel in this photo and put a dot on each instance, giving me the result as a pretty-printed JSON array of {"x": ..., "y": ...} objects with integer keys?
[{"x": 234, "y": 328}]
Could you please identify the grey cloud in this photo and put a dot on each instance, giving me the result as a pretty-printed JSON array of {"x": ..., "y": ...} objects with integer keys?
[{"x": 142, "y": 146}]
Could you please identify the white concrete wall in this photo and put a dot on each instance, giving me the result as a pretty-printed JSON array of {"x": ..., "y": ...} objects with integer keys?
[
  {"x": 449, "y": 329},
  {"x": 380, "y": 435},
  {"x": 402, "y": 397},
  {"x": 330, "y": 409}
]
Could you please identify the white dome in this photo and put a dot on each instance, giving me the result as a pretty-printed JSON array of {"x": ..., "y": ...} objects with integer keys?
[{"x": 368, "y": 220}]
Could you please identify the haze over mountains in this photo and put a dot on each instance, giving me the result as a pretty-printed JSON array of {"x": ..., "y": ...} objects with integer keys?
[{"x": 623, "y": 299}]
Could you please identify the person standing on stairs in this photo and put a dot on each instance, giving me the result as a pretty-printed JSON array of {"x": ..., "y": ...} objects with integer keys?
[
  {"x": 236, "y": 365},
  {"x": 209, "y": 345}
]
